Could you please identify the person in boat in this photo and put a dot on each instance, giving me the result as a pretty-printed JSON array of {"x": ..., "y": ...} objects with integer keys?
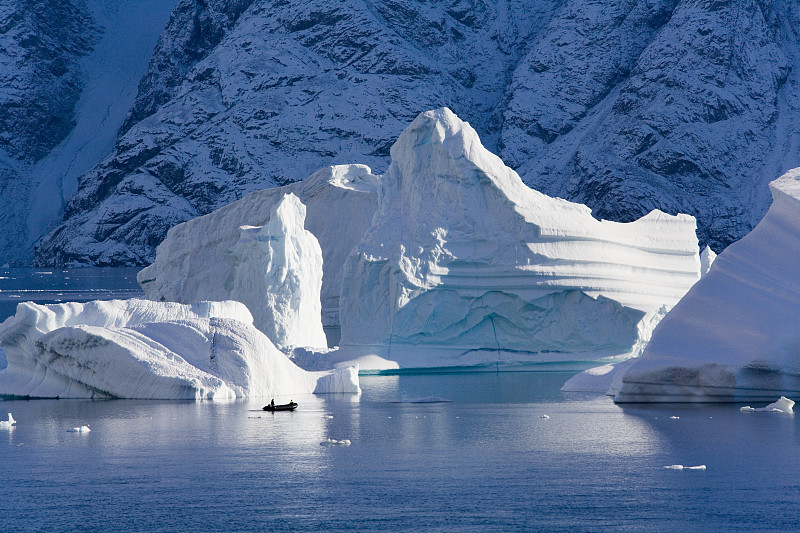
[{"x": 272, "y": 403}]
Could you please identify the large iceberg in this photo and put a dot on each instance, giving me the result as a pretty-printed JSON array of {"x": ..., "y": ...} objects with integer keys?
[
  {"x": 193, "y": 262},
  {"x": 463, "y": 264},
  {"x": 277, "y": 273},
  {"x": 735, "y": 335},
  {"x": 150, "y": 350}
]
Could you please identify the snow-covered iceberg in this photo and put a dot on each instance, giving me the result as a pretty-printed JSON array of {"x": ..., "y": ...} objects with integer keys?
[
  {"x": 463, "y": 264},
  {"x": 276, "y": 272},
  {"x": 735, "y": 335},
  {"x": 193, "y": 263},
  {"x": 144, "y": 349}
]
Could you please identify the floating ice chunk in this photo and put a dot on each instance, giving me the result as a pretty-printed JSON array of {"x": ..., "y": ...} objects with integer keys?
[
  {"x": 80, "y": 429},
  {"x": 8, "y": 424},
  {"x": 783, "y": 405},
  {"x": 334, "y": 442},
  {"x": 681, "y": 467},
  {"x": 707, "y": 257}
]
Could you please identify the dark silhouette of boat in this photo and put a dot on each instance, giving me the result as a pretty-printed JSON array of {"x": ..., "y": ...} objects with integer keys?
[{"x": 291, "y": 406}]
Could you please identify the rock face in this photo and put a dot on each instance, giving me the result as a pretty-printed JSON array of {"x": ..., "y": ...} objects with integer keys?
[
  {"x": 150, "y": 350},
  {"x": 41, "y": 44},
  {"x": 624, "y": 105},
  {"x": 464, "y": 264},
  {"x": 277, "y": 272},
  {"x": 68, "y": 76},
  {"x": 734, "y": 336},
  {"x": 193, "y": 263}
]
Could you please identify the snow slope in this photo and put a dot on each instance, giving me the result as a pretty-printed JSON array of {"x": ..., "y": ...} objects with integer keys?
[
  {"x": 734, "y": 336},
  {"x": 150, "y": 350}
]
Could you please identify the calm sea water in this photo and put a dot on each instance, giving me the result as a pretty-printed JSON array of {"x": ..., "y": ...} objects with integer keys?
[{"x": 487, "y": 460}]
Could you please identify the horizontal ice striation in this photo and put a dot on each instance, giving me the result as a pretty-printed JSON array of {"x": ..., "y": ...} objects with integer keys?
[
  {"x": 734, "y": 336},
  {"x": 462, "y": 255},
  {"x": 193, "y": 262},
  {"x": 150, "y": 350}
]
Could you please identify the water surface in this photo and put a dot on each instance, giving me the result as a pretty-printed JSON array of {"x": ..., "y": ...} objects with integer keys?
[{"x": 486, "y": 460}]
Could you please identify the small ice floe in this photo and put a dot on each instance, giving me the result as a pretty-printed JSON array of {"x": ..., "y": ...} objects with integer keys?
[
  {"x": 81, "y": 429},
  {"x": 334, "y": 442},
  {"x": 784, "y": 405},
  {"x": 545, "y": 416},
  {"x": 681, "y": 467},
  {"x": 674, "y": 417},
  {"x": 8, "y": 424}
]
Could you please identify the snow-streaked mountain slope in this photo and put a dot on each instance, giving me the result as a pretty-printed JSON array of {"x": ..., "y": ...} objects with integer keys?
[
  {"x": 693, "y": 121},
  {"x": 68, "y": 76},
  {"x": 624, "y": 105},
  {"x": 291, "y": 87}
]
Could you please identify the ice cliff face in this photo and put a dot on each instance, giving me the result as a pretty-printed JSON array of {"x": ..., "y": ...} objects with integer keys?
[
  {"x": 734, "y": 336},
  {"x": 194, "y": 261},
  {"x": 464, "y": 261}
]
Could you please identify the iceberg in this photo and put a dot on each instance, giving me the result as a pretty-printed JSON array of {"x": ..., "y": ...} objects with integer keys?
[
  {"x": 277, "y": 273},
  {"x": 193, "y": 262},
  {"x": 734, "y": 336},
  {"x": 8, "y": 424},
  {"x": 783, "y": 405},
  {"x": 150, "y": 350},
  {"x": 464, "y": 265}
]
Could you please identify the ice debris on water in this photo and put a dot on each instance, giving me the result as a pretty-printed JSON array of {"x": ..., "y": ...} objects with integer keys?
[
  {"x": 8, "y": 424},
  {"x": 681, "y": 467},
  {"x": 334, "y": 442},
  {"x": 783, "y": 405},
  {"x": 81, "y": 429}
]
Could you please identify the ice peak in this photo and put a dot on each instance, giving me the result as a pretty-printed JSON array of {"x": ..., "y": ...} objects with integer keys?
[{"x": 440, "y": 136}]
